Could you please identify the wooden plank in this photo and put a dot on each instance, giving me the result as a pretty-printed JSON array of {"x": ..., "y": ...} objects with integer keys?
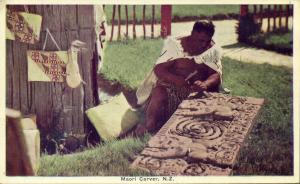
[
  {"x": 268, "y": 14},
  {"x": 56, "y": 116},
  {"x": 51, "y": 17},
  {"x": 119, "y": 22},
  {"x": 16, "y": 75},
  {"x": 78, "y": 111},
  {"x": 166, "y": 18},
  {"x": 21, "y": 56},
  {"x": 153, "y": 21},
  {"x": 68, "y": 17},
  {"x": 261, "y": 13},
  {"x": 38, "y": 46},
  {"x": 254, "y": 9},
  {"x": 112, "y": 23},
  {"x": 280, "y": 16},
  {"x": 77, "y": 96},
  {"x": 287, "y": 17},
  {"x": 86, "y": 58},
  {"x": 133, "y": 22},
  {"x": 76, "y": 107},
  {"x": 30, "y": 88},
  {"x": 69, "y": 33},
  {"x": 9, "y": 72},
  {"x": 274, "y": 17},
  {"x": 41, "y": 91},
  {"x": 70, "y": 112},
  {"x": 126, "y": 16},
  {"x": 243, "y": 9},
  {"x": 85, "y": 64},
  {"x": 85, "y": 18},
  {"x": 42, "y": 102},
  {"x": 16, "y": 7},
  {"x": 144, "y": 24}
]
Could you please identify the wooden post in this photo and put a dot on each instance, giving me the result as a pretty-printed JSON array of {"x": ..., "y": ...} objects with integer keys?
[
  {"x": 274, "y": 17},
  {"x": 133, "y": 23},
  {"x": 144, "y": 24},
  {"x": 244, "y": 10},
  {"x": 280, "y": 15},
  {"x": 153, "y": 21},
  {"x": 112, "y": 23},
  {"x": 126, "y": 14},
  {"x": 166, "y": 19},
  {"x": 287, "y": 11},
  {"x": 268, "y": 15},
  {"x": 119, "y": 22},
  {"x": 261, "y": 13},
  {"x": 254, "y": 9}
]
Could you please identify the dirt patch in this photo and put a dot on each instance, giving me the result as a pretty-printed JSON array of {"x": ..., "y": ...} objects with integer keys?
[{"x": 114, "y": 88}]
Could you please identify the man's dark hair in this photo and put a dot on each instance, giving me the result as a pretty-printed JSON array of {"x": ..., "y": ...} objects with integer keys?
[{"x": 204, "y": 26}]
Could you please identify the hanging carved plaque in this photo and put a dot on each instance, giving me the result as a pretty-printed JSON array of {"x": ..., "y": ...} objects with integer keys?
[{"x": 202, "y": 137}]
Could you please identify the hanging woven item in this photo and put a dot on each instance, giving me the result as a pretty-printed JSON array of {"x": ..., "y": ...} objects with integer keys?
[
  {"x": 23, "y": 26},
  {"x": 48, "y": 66},
  {"x": 55, "y": 66}
]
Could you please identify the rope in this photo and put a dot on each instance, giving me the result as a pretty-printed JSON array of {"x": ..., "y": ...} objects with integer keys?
[{"x": 52, "y": 38}]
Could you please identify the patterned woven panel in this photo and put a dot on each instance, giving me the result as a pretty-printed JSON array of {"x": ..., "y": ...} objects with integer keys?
[{"x": 203, "y": 136}]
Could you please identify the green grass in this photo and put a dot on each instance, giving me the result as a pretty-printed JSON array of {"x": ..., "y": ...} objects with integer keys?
[
  {"x": 129, "y": 61},
  {"x": 112, "y": 158},
  {"x": 179, "y": 12},
  {"x": 269, "y": 148},
  {"x": 279, "y": 41},
  {"x": 204, "y": 10},
  {"x": 267, "y": 151}
]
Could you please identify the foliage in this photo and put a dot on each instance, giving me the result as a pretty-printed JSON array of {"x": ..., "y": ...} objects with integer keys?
[
  {"x": 279, "y": 40},
  {"x": 247, "y": 27}
]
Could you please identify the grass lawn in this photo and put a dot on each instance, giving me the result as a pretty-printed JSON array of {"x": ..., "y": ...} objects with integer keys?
[
  {"x": 179, "y": 12},
  {"x": 108, "y": 159},
  {"x": 137, "y": 59},
  {"x": 277, "y": 41},
  {"x": 268, "y": 151}
]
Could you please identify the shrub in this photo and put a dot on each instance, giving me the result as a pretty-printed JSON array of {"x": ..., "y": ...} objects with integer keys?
[
  {"x": 246, "y": 27},
  {"x": 278, "y": 40}
]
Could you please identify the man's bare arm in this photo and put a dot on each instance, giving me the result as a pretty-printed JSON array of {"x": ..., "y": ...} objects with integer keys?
[
  {"x": 162, "y": 71},
  {"x": 211, "y": 82}
]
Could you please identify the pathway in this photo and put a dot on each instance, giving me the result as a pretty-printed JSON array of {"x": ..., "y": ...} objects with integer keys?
[{"x": 226, "y": 37}]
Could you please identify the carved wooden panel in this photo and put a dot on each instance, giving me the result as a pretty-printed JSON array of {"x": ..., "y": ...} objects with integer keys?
[{"x": 203, "y": 136}]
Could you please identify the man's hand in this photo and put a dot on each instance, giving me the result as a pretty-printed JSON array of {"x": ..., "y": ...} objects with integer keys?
[{"x": 199, "y": 86}]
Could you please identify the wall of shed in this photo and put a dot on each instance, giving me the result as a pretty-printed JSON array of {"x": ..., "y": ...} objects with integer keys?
[{"x": 59, "y": 108}]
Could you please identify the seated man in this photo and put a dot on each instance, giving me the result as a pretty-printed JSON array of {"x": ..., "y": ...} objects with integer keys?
[{"x": 187, "y": 64}]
